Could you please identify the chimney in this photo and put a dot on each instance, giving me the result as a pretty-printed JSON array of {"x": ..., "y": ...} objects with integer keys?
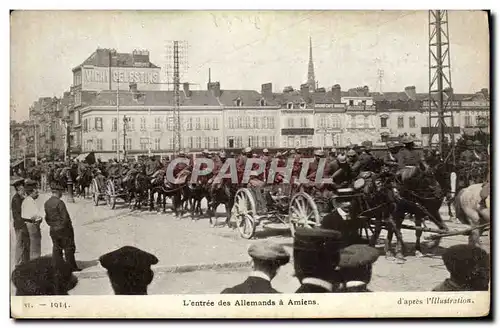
[
  {"x": 366, "y": 91},
  {"x": 486, "y": 93},
  {"x": 411, "y": 92},
  {"x": 267, "y": 90},
  {"x": 304, "y": 91},
  {"x": 214, "y": 87},
  {"x": 448, "y": 92},
  {"x": 337, "y": 94},
  {"x": 187, "y": 92}
]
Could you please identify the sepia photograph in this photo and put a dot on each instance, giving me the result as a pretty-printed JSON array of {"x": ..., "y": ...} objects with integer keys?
[{"x": 250, "y": 164}]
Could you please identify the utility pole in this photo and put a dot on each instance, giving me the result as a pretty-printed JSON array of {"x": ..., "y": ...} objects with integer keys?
[
  {"x": 149, "y": 132},
  {"x": 440, "y": 88},
  {"x": 125, "y": 121},
  {"x": 36, "y": 142}
]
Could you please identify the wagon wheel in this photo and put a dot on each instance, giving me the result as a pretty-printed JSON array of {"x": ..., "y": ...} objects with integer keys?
[
  {"x": 303, "y": 212},
  {"x": 243, "y": 212},
  {"x": 111, "y": 195},
  {"x": 95, "y": 192}
]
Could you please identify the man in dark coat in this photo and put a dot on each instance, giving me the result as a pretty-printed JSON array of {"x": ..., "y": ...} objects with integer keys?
[
  {"x": 316, "y": 254},
  {"x": 391, "y": 157},
  {"x": 129, "y": 270},
  {"x": 61, "y": 228},
  {"x": 267, "y": 258},
  {"x": 408, "y": 156},
  {"x": 22, "y": 248},
  {"x": 43, "y": 276},
  {"x": 355, "y": 267},
  {"x": 469, "y": 268}
]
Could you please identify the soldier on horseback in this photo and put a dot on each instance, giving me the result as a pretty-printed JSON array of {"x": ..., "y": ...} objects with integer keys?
[
  {"x": 391, "y": 157},
  {"x": 408, "y": 156},
  {"x": 365, "y": 159}
]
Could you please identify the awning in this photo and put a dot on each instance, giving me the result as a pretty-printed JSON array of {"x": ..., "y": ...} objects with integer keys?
[{"x": 87, "y": 157}]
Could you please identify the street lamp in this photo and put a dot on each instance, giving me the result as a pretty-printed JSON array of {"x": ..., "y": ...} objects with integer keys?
[{"x": 125, "y": 121}]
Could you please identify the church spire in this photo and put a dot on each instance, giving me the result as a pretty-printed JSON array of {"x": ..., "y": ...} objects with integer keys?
[{"x": 311, "y": 80}]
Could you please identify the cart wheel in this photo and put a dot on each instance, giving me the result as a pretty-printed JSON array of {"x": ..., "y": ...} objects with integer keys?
[
  {"x": 111, "y": 195},
  {"x": 303, "y": 212},
  {"x": 94, "y": 188},
  {"x": 243, "y": 213}
]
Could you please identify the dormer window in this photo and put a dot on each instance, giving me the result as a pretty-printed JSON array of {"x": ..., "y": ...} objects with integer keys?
[
  {"x": 303, "y": 105},
  {"x": 289, "y": 105},
  {"x": 239, "y": 103},
  {"x": 262, "y": 102}
]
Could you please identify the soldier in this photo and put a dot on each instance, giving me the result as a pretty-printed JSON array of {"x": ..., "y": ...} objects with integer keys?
[
  {"x": 129, "y": 270},
  {"x": 355, "y": 267},
  {"x": 391, "y": 157},
  {"x": 316, "y": 254},
  {"x": 467, "y": 156},
  {"x": 22, "y": 248},
  {"x": 267, "y": 258},
  {"x": 43, "y": 277},
  {"x": 469, "y": 268},
  {"x": 33, "y": 216},
  {"x": 241, "y": 162},
  {"x": 352, "y": 157},
  {"x": 343, "y": 176},
  {"x": 365, "y": 160},
  {"x": 333, "y": 154},
  {"x": 408, "y": 156},
  {"x": 479, "y": 155}
]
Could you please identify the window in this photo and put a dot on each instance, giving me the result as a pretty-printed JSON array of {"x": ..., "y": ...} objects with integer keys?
[
  {"x": 231, "y": 123},
  {"x": 157, "y": 123},
  {"x": 190, "y": 142},
  {"x": 250, "y": 141},
  {"x": 412, "y": 122},
  {"x": 78, "y": 98},
  {"x": 85, "y": 126},
  {"x": 272, "y": 141},
  {"x": 239, "y": 122},
  {"x": 189, "y": 125},
  {"x": 468, "y": 121},
  {"x": 303, "y": 105},
  {"x": 143, "y": 123},
  {"x": 98, "y": 123},
  {"x": 198, "y": 142},
  {"x": 206, "y": 122},
  {"x": 303, "y": 141},
  {"x": 360, "y": 121},
  {"x": 128, "y": 144},
  {"x": 99, "y": 144},
  {"x": 248, "y": 124},
  {"x": 363, "y": 103},
  {"x": 157, "y": 143},
  {"x": 271, "y": 122},
  {"x": 216, "y": 142},
  {"x": 366, "y": 123},
  {"x": 383, "y": 122},
  {"x": 239, "y": 103},
  {"x": 290, "y": 122},
  {"x": 207, "y": 142},
  {"x": 322, "y": 122},
  {"x": 215, "y": 123},
  {"x": 291, "y": 142},
  {"x": 401, "y": 122},
  {"x": 262, "y": 102},
  {"x": 230, "y": 142},
  {"x": 89, "y": 145},
  {"x": 265, "y": 122},
  {"x": 263, "y": 141},
  {"x": 289, "y": 105},
  {"x": 309, "y": 141},
  {"x": 171, "y": 143},
  {"x": 114, "y": 146},
  {"x": 144, "y": 143},
  {"x": 113, "y": 124},
  {"x": 256, "y": 123},
  {"x": 170, "y": 124},
  {"x": 351, "y": 102},
  {"x": 197, "y": 123},
  {"x": 336, "y": 122},
  {"x": 130, "y": 124},
  {"x": 239, "y": 141},
  {"x": 303, "y": 122}
]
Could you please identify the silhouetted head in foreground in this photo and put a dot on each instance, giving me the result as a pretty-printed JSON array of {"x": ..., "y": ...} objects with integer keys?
[{"x": 129, "y": 270}]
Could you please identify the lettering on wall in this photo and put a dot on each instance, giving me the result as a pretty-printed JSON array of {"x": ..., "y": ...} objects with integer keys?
[{"x": 122, "y": 75}]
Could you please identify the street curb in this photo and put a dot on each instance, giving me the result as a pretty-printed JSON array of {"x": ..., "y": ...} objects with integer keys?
[{"x": 95, "y": 274}]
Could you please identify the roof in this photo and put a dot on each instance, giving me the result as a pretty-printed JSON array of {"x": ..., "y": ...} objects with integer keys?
[
  {"x": 248, "y": 97},
  {"x": 100, "y": 58}
]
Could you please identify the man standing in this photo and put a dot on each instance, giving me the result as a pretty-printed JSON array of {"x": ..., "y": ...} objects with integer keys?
[
  {"x": 61, "y": 229},
  {"x": 267, "y": 258},
  {"x": 31, "y": 213},
  {"x": 22, "y": 248},
  {"x": 408, "y": 156}
]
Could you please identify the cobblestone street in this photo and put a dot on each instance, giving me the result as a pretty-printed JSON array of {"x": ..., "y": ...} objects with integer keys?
[{"x": 195, "y": 258}]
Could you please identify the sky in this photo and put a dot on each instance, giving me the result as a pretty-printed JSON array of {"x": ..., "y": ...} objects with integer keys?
[{"x": 245, "y": 49}]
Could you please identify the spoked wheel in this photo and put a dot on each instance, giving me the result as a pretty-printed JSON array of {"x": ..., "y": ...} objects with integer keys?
[
  {"x": 111, "y": 195},
  {"x": 303, "y": 212},
  {"x": 244, "y": 211},
  {"x": 94, "y": 187}
]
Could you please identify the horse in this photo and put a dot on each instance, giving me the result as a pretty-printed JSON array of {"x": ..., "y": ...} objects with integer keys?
[
  {"x": 137, "y": 185},
  {"x": 470, "y": 212},
  {"x": 419, "y": 193},
  {"x": 221, "y": 194},
  {"x": 83, "y": 182}
]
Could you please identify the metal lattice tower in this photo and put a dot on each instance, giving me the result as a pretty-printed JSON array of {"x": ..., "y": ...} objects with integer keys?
[
  {"x": 440, "y": 88},
  {"x": 380, "y": 79},
  {"x": 177, "y": 51}
]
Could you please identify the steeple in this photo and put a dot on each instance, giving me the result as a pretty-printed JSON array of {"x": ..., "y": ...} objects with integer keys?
[{"x": 311, "y": 80}]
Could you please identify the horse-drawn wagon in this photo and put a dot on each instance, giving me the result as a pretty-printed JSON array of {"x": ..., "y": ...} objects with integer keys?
[{"x": 114, "y": 189}]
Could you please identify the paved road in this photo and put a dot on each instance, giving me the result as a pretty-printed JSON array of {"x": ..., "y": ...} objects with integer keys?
[{"x": 189, "y": 243}]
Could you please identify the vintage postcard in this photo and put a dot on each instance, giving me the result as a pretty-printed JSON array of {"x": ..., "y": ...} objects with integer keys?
[{"x": 250, "y": 164}]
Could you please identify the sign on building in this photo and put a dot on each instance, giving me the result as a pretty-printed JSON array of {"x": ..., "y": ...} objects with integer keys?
[{"x": 98, "y": 78}]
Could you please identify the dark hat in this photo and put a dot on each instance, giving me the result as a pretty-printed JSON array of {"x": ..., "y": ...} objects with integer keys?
[
  {"x": 128, "y": 257},
  {"x": 469, "y": 143},
  {"x": 16, "y": 183},
  {"x": 462, "y": 261},
  {"x": 354, "y": 256},
  {"x": 42, "y": 277},
  {"x": 30, "y": 183},
  {"x": 316, "y": 240},
  {"x": 407, "y": 140},
  {"x": 269, "y": 251}
]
